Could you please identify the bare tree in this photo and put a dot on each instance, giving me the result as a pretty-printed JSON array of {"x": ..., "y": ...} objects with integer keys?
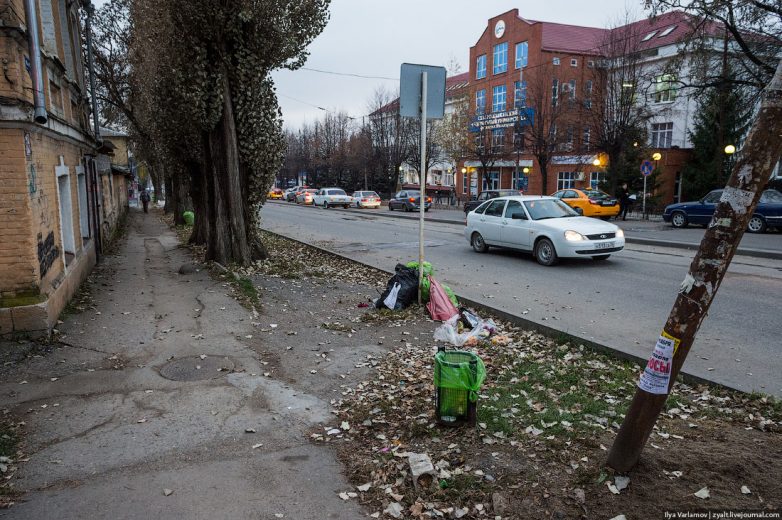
[
  {"x": 616, "y": 108},
  {"x": 547, "y": 134},
  {"x": 390, "y": 136}
]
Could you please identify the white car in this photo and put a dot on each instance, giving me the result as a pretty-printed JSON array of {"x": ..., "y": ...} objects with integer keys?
[
  {"x": 366, "y": 199},
  {"x": 544, "y": 226},
  {"x": 328, "y": 197}
]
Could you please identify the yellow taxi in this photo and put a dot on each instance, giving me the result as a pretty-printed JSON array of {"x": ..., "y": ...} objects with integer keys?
[
  {"x": 589, "y": 203},
  {"x": 274, "y": 193}
]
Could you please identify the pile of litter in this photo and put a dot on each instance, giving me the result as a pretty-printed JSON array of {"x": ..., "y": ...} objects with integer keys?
[{"x": 540, "y": 441}]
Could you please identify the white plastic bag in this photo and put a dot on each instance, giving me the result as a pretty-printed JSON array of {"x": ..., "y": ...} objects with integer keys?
[
  {"x": 448, "y": 331},
  {"x": 390, "y": 300}
]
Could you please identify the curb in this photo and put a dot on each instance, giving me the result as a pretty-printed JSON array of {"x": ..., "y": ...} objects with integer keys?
[
  {"x": 757, "y": 253},
  {"x": 545, "y": 330}
]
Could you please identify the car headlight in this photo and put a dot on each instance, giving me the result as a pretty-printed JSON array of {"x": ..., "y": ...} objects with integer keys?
[
  {"x": 620, "y": 233},
  {"x": 574, "y": 236}
]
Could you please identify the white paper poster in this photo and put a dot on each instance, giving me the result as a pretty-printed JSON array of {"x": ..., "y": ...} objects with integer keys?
[{"x": 657, "y": 374}]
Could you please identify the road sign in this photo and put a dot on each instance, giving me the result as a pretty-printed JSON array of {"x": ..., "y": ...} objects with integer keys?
[
  {"x": 647, "y": 168},
  {"x": 410, "y": 91}
]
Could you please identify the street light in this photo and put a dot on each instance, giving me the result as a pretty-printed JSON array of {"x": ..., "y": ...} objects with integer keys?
[
  {"x": 525, "y": 170},
  {"x": 730, "y": 149},
  {"x": 657, "y": 156},
  {"x": 596, "y": 162}
]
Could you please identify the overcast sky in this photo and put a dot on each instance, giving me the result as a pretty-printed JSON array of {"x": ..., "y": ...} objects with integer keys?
[{"x": 374, "y": 37}]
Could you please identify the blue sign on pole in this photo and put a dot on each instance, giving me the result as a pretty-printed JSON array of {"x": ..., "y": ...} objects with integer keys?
[{"x": 647, "y": 168}]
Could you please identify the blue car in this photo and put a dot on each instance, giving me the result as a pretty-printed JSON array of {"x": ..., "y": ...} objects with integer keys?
[{"x": 767, "y": 214}]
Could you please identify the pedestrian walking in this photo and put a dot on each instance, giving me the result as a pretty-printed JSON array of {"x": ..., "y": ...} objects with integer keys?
[
  {"x": 624, "y": 201},
  {"x": 145, "y": 200}
]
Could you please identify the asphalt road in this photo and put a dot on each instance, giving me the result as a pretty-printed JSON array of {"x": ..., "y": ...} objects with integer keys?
[
  {"x": 651, "y": 232},
  {"x": 622, "y": 303}
]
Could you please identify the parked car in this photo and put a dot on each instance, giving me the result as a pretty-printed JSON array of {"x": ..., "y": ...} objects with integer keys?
[
  {"x": 544, "y": 226},
  {"x": 488, "y": 195},
  {"x": 768, "y": 212},
  {"x": 328, "y": 197},
  {"x": 365, "y": 199},
  {"x": 409, "y": 200},
  {"x": 306, "y": 196},
  {"x": 590, "y": 203},
  {"x": 275, "y": 194},
  {"x": 290, "y": 193}
]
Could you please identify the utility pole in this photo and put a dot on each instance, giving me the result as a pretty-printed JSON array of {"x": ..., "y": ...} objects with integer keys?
[{"x": 750, "y": 173}]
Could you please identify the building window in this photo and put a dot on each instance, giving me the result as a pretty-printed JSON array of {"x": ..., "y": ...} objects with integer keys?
[
  {"x": 667, "y": 31},
  {"x": 571, "y": 89},
  {"x": 554, "y": 92},
  {"x": 591, "y": 64},
  {"x": 596, "y": 178},
  {"x": 520, "y": 94},
  {"x": 573, "y": 62},
  {"x": 586, "y": 139},
  {"x": 493, "y": 181},
  {"x": 588, "y": 93},
  {"x": 465, "y": 176},
  {"x": 570, "y": 136},
  {"x": 556, "y": 61},
  {"x": 649, "y": 36},
  {"x": 665, "y": 88},
  {"x": 662, "y": 135},
  {"x": 500, "y": 58},
  {"x": 566, "y": 180},
  {"x": 498, "y": 98},
  {"x": 522, "y": 54},
  {"x": 55, "y": 95},
  {"x": 480, "y": 67},
  {"x": 480, "y": 101},
  {"x": 497, "y": 140},
  {"x": 519, "y": 180}
]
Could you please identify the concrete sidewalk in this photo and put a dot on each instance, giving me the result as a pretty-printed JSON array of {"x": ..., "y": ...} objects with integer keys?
[{"x": 111, "y": 424}]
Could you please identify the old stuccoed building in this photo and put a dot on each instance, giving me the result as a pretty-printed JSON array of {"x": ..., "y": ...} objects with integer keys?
[{"x": 52, "y": 196}]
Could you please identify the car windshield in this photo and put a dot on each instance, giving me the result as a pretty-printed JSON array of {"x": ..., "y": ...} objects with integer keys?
[
  {"x": 336, "y": 192},
  {"x": 771, "y": 197},
  {"x": 548, "y": 208}
]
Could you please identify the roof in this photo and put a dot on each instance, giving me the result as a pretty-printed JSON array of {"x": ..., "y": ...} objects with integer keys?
[
  {"x": 571, "y": 38},
  {"x": 658, "y": 31}
]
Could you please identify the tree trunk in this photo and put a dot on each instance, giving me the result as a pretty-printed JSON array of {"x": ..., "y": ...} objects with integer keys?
[
  {"x": 170, "y": 203},
  {"x": 228, "y": 240},
  {"x": 757, "y": 159},
  {"x": 200, "y": 194}
]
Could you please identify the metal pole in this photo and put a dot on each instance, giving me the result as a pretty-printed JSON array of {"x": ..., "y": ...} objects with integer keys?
[
  {"x": 91, "y": 68},
  {"x": 422, "y": 191},
  {"x": 643, "y": 205},
  {"x": 36, "y": 68}
]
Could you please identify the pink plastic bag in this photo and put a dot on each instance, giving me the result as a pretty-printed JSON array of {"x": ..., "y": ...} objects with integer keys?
[{"x": 439, "y": 306}]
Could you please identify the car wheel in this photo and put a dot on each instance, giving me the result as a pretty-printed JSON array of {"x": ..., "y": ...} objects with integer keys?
[
  {"x": 407, "y": 208},
  {"x": 756, "y": 224},
  {"x": 545, "y": 253},
  {"x": 390, "y": 207},
  {"x": 346, "y": 206},
  {"x": 426, "y": 209},
  {"x": 478, "y": 244},
  {"x": 600, "y": 257},
  {"x": 325, "y": 205},
  {"x": 679, "y": 219}
]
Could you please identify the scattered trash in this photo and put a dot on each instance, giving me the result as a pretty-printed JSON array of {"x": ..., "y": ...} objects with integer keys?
[
  {"x": 364, "y": 487},
  {"x": 394, "y": 509},
  {"x": 621, "y": 482},
  {"x": 188, "y": 217},
  {"x": 249, "y": 430},
  {"x": 362, "y": 305},
  {"x": 745, "y": 490},
  {"x": 440, "y": 307},
  {"x": 612, "y": 488},
  {"x": 703, "y": 493},
  {"x": 402, "y": 289},
  {"x": 168, "y": 492},
  {"x": 422, "y": 470},
  {"x": 619, "y": 517},
  {"x": 449, "y": 330}
]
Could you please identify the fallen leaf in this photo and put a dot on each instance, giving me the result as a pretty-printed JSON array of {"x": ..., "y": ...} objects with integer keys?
[
  {"x": 364, "y": 487},
  {"x": 703, "y": 493},
  {"x": 745, "y": 490}
]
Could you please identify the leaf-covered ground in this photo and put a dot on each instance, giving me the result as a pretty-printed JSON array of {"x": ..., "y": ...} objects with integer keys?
[{"x": 547, "y": 414}]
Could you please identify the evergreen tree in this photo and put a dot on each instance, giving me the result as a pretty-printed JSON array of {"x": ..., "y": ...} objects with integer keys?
[{"x": 710, "y": 166}]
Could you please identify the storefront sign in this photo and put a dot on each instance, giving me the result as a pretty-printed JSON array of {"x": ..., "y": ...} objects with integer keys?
[{"x": 509, "y": 118}]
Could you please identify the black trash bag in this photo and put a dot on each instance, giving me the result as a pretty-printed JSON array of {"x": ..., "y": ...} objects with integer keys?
[{"x": 402, "y": 289}]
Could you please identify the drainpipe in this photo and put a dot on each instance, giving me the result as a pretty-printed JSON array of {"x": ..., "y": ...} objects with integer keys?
[
  {"x": 91, "y": 64},
  {"x": 36, "y": 69}
]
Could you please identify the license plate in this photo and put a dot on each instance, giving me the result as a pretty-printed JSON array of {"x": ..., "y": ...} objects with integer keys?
[
  {"x": 609, "y": 203},
  {"x": 604, "y": 245}
]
